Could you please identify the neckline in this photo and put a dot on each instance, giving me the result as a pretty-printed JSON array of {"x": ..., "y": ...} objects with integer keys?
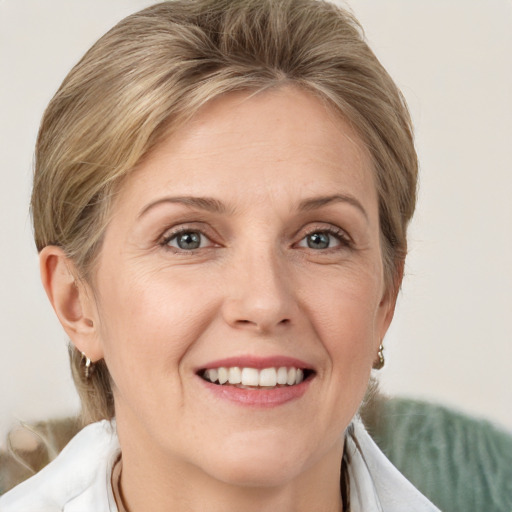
[{"x": 116, "y": 484}]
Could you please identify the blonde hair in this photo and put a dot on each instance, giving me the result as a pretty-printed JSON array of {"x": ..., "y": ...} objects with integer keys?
[{"x": 156, "y": 68}]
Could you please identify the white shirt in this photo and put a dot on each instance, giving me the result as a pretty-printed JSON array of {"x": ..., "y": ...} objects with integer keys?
[{"x": 79, "y": 479}]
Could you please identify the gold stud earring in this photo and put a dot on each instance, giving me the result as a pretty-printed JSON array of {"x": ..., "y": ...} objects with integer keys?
[
  {"x": 89, "y": 367},
  {"x": 379, "y": 363}
]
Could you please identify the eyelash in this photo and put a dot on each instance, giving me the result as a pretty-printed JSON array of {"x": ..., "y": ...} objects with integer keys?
[
  {"x": 166, "y": 239},
  {"x": 339, "y": 234}
]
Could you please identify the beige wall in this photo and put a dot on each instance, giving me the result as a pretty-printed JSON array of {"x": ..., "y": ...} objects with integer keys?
[{"x": 451, "y": 340}]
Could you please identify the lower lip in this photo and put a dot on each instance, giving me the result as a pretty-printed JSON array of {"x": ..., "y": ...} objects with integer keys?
[{"x": 258, "y": 397}]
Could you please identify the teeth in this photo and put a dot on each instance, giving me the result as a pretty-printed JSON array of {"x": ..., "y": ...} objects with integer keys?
[
  {"x": 235, "y": 375},
  {"x": 250, "y": 377},
  {"x": 267, "y": 377},
  {"x": 292, "y": 373},
  {"x": 223, "y": 375},
  {"x": 282, "y": 375},
  {"x": 212, "y": 375}
]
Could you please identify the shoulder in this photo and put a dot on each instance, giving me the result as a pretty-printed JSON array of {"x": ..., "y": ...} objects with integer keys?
[
  {"x": 375, "y": 484},
  {"x": 452, "y": 457},
  {"x": 77, "y": 480}
]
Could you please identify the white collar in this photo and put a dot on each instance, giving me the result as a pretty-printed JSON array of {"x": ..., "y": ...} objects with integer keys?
[
  {"x": 375, "y": 484},
  {"x": 80, "y": 477}
]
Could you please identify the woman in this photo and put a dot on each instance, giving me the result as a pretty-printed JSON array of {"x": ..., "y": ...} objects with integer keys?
[{"x": 220, "y": 202}]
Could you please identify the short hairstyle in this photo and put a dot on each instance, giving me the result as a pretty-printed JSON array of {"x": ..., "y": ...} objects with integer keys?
[{"x": 156, "y": 68}]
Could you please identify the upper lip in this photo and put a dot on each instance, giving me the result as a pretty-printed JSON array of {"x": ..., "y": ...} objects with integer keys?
[{"x": 257, "y": 362}]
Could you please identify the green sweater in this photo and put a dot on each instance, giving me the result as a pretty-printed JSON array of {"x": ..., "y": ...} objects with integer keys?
[{"x": 460, "y": 463}]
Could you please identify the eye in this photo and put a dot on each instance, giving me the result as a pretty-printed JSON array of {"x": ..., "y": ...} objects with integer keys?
[
  {"x": 187, "y": 240},
  {"x": 324, "y": 239}
]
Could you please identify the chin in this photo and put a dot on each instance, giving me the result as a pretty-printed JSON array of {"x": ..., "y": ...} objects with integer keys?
[
  {"x": 260, "y": 462},
  {"x": 256, "y": 473}
]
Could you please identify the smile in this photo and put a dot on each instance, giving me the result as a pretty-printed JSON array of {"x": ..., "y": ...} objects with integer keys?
[{"x": 252, "y": 378}]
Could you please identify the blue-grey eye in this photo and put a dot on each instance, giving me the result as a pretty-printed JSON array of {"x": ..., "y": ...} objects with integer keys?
[
  {"x": 318, "y": 240},
  {"x": 186, "y": 240},
  {"x": 325, "y": 239}
]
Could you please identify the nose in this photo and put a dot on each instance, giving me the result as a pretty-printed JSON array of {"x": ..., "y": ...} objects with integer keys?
[{"x": 260, "y": 294}]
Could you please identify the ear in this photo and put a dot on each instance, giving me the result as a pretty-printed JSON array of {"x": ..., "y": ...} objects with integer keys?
[
  {"x": 72, "y": 299},
  {"x": 386, "y": 313},
  {"x": 388, "y": 304}
]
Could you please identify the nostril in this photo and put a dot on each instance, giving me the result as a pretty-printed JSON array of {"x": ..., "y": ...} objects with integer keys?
[{"x": 262, "y": 326}]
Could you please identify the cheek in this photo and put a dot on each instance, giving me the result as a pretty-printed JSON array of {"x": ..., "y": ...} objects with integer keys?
[
  {"x": 347, "y": 302},
  {"x": 148, "y": 323},
  {"x": 346, "y": 317}
]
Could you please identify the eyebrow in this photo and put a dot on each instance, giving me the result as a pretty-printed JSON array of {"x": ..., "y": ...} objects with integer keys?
[
  {"x": 318, "y": 202},
  {"x": 202, "y": 203},
  {"x": 215, "y": 206}
]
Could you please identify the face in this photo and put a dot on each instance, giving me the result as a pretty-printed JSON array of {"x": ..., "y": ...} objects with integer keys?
[{"x": 244, "y": 247}]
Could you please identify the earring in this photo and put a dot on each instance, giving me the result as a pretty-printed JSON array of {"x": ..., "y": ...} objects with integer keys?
[
  {"x": 89, "y": 367},
  {"x": 379, "y": 363}
]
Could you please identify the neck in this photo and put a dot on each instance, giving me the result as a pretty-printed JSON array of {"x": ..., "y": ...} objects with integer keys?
[
  {"x": 202, "y": 494},
  {"x": 153, "y": 482}
]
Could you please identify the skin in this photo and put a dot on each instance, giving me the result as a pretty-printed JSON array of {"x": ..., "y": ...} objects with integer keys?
[{"x": 157, "y": 313}]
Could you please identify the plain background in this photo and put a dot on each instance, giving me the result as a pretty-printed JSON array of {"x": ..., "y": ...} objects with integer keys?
[{"x": 451, "y": 341}]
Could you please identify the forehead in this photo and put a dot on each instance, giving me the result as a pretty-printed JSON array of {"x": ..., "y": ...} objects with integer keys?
[{"x": 279, "y": 143}]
